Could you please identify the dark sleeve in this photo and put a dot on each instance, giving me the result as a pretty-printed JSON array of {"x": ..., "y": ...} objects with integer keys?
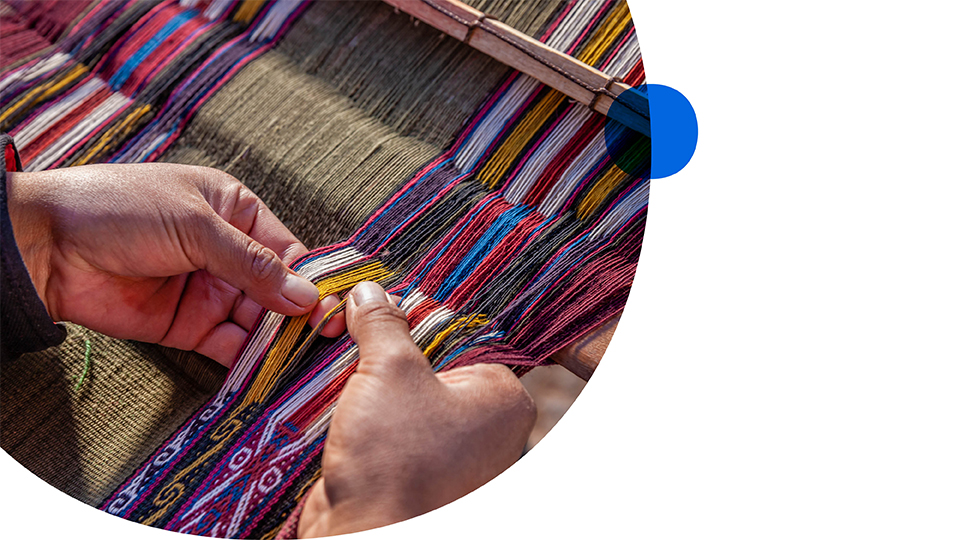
[{"x": 25, "y": 325}]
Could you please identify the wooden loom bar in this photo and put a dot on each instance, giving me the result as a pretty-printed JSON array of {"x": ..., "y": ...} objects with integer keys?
[
  {"x": 582, "y": 356},
  {"x": 557, "y": 70}
]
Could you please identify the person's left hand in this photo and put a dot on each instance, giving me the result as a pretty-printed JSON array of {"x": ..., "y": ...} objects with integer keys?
[{"x": 172, "y": 254}]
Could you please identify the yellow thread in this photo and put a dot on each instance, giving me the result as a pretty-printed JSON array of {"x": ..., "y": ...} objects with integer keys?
[
  {"x": 279, "y": 356},
  {"x": 603, "y": 38},
  {"x": 518, "y": 139},
  {"x": 531, "y": 123},
  {"x": 169, "y": 495},
  {"x": 600, "y": 190},
  {"x": 115, "y": 133},
  {"x": 247, "y": 10},
  {"x": 270, "y": 535},
  {"x": 472, "y": 322},
  {"x": 267, "y": 376},
  {"x": 45, "y": 90}
]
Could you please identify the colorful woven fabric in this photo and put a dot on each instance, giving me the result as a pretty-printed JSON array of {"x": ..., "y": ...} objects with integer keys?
[
  {"x": 514, "y": 241},
  {"x": 128, "y": 76}
]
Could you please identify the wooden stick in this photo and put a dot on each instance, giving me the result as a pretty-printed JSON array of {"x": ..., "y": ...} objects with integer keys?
[
  {"x": 557, "y": 70},
  {"x": 582, "y": 357}
]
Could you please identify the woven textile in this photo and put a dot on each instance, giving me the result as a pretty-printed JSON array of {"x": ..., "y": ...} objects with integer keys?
[
  {"x": 104, "y": 429},
  {"x": 506, "y": 245}
]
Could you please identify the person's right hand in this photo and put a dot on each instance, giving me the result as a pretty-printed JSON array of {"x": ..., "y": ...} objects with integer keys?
[{"x": 403, "y": 440}]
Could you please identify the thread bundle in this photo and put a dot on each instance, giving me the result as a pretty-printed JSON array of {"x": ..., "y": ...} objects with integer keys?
[
  {"x": 122, "y": 84},
  {"x": 519, "y": 238},
  {"x": 504, "y": 248}
]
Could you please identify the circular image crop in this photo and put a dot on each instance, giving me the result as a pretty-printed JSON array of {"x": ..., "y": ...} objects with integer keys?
[{"x": 270, "y": 260}]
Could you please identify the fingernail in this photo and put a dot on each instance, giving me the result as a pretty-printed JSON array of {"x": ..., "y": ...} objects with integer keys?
[
  {"x": 299, "y": 291},
  {"x": 368, "y": 292}
]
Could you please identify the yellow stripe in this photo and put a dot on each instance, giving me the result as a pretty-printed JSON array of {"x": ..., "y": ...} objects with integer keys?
[
  {"x": 519, "y": 137},
  {"x": 614, "y": 25},
  {"x": 280, "y": 355},
  {"x": 474, "y": 321},
  {"x": 116, "y": 133},
  {"x": 45, "y": 90},
  {"x": 248, "y": 10},
  {"x": 600, "y": 190},
  {"x": 493, "y": 171}
]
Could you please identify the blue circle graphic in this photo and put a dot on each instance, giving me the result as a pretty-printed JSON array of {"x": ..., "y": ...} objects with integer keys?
[{"x": 655, "y": 120}]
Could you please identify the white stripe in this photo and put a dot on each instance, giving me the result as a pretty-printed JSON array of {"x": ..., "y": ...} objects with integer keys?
[
  {"x": 558, "y": 138},
  {"x": 29, "y": 73},
  {"x": 94, "y": 120},
  {"x": 68, "y": 103},
  {"x": 561, "y": 190}
]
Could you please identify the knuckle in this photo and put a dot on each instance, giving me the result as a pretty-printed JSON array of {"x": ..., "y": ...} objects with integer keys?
[
  {"x": 509, "y": 389},
  {"x": 202, "y": 174},
  {"x": 262, "y": 262}
]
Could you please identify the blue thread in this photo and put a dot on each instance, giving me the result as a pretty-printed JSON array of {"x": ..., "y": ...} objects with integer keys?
[
  {"x": 502, "y": 226},
  {"x": 136, "y": 58},
  {"x": 426, "y": 267},
  {"x": 474, "y": 341}
]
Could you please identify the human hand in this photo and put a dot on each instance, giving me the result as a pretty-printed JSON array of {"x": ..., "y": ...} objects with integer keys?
[
  {"x": 172, "y": 254},
  {"x": 403, "y": 440}
]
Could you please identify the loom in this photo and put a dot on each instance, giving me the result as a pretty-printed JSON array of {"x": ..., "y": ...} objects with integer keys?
[{"x": 494, "y": 209}]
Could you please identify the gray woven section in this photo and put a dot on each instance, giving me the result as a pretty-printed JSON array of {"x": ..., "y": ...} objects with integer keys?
[
  {"x": 353, "y": 101},
  {"x": 85, "y": 440},
  {"x": 324, "y": 127}
]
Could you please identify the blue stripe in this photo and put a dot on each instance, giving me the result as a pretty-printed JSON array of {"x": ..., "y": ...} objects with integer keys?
[
  {"x": 429, "y": 265},
  {"x": 500, "y": 228},
  {"x": 131, "y": 64}
]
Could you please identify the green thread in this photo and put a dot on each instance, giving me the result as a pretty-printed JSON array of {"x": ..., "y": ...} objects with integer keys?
[{"x": 86, "y": 365}]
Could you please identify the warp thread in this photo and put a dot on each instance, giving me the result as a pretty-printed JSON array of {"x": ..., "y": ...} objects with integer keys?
[{"x": 520, "y": 237}]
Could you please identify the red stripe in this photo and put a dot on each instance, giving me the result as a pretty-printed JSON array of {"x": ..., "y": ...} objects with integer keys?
[
  {"x": 11, "y": 158},
  {"x": 65, "y": 124},
  {"x": 563, "y": 159},
  {"x": 162, "y": 55},
  {"x": 419, "y": 313}
]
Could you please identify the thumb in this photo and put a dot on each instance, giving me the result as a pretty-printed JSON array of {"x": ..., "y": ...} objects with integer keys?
[
  {"x": 380, "y": 330},
  {"x": 241, "y": 261}
]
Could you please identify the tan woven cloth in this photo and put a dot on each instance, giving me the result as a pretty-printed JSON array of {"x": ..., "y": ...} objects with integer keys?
[{"x": 350, "y": 103}]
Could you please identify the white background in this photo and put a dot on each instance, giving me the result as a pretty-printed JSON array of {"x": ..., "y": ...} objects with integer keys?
[{"x": 787, "y": 366}]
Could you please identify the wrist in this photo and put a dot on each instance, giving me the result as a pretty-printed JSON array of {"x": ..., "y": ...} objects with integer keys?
[{"x": 32, "y": 230}]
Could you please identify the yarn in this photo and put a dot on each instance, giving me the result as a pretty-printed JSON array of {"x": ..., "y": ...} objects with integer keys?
[
  {"x": 142, "y": 57},
  {"x": 86, "y": 364},
  {"x": 501, "y": 282},
  {"x": 513, "y": 241}
]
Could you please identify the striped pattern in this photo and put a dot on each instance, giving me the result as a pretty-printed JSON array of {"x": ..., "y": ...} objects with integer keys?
[
  {"x": 122, "y": 84},
  {"x": 518, "y": 238}
]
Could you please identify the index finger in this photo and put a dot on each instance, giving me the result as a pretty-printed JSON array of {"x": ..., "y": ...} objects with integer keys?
[{"x": 252, "y": 217}]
